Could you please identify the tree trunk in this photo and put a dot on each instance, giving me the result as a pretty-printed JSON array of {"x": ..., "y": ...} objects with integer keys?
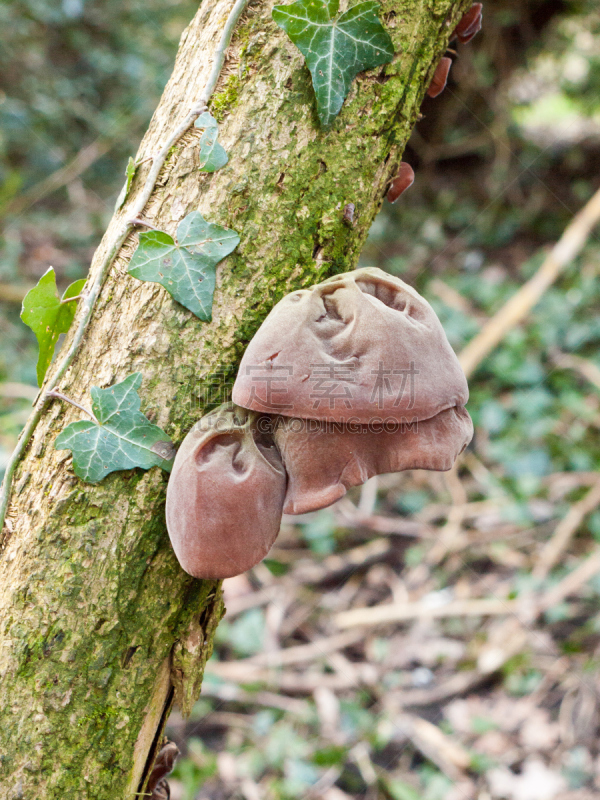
[{"x": 99, "y": 627}]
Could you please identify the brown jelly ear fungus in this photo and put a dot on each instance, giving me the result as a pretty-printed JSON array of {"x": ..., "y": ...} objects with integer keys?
[
  {"x": 348, "y": 379},
  {"x": 358, "y": 345},
  {"x": 225, "y": 495},
  {"x": 470, "y": 23},
  {"x": 323, "y": 459},
  {"x": 359, "y": 379},
  {"x": 440, "y": 77}
]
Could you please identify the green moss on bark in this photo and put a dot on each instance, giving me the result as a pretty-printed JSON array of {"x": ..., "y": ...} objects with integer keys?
[{"x": 227, "y": 98}]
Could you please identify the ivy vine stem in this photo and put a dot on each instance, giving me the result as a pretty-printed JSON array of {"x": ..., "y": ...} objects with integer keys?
[
  {"x": 52, "y": 395},
  {"x": 71, "y": 299},
  {"x": 93, "y": 292},
  {"x": 142, "y": 223}
]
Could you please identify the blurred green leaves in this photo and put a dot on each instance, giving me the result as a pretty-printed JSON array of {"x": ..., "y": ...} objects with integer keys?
[
  {"x": 245, "y": 635},
  {"x": 319, "y": 533},
  {"x": 399, "y": 790},
  {"x": 194, "y": 770},
  {"x": 74, "y": 72}
]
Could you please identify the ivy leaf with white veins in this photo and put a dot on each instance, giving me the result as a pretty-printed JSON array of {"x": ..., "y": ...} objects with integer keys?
[
  {"x": 212, "y": 154},
  {"x": 186, "y": 267},
  {"x": 336, "y": 50},
  {"x": 120, "y": 438},
  {"x": 48, "y": 315}
]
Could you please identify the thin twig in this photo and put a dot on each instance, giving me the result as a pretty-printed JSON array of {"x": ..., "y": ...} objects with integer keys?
[
  {"x": 368, "y": 497},
  {"x": 457, "y": 683},
  {"x": 446, "y": 753},
  {"x": 104, "y": 268},
  {"x": 229, "y": 692},
  {"x": 585, "y": 571},
  {"x": 349, "y": 516},
  {"x": 315, "y": 572},
  {"x": 583, "y": 366},
  {"x": 61, "y": 177},
  {"x": 452, "y": 533},
  {"x": 452, "y": 298},
  {"x": 296, "y": 682},
  {"x": 564, "y": 251},
  {"x": 565, "y": 530},
  {"x": 237, "y": 605},
  {"x": 398, "y": 612},
  {"x": 305, "y": 652},
  {"x": 534, "y": 605}
]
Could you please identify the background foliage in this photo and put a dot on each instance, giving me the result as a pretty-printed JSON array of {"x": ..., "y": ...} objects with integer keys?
[{"x": 503, "y": 159}]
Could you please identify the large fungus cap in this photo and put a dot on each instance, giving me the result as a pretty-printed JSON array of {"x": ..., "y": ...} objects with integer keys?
[
  {"x": 225, "y": 495},
  {"x": 360, "y": 345},
  {"x": 324, "y": 459}
]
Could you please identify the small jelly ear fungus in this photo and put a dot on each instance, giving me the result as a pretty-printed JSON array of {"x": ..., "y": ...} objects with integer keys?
[
  {"x": 225, "y": 494},
  {"x": 470, "y": 23},
  {"x": 440, "y": 77},
  {"x": 403, "y": 180}
]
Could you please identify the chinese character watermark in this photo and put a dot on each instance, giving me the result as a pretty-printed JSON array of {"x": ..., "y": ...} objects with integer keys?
[
  {"x": 265, "y": 387},
  {"x": 332, "y": 383},
  {"x": 383, "y": 385}
]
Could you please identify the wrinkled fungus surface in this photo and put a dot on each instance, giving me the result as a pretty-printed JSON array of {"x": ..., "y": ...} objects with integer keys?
[
  {"x": 357, "y": 346},
  {"x": 324, "y": 459},
  {"x": 351, "y": 378}
]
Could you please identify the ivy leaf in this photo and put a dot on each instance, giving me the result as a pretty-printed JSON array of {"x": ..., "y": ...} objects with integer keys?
[
  {"x": 48, "y": 316},
  {"x": 129, "y": 174},
  {"x": 336, "y": 50},
  {"x": 186, "y": 267},
  {"x": 120, "y": 438},
  {"x": 212, "y": 154}
]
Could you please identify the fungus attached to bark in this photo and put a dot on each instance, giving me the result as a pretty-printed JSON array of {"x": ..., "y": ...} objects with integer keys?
[
  {"x": 324, "y": 459},
  {"x": 225, "y": 495},
  {"x": 440, "y": 77},
  {"x": 358, "y": 345},
  {"x": 351, "y": 378},
  {"x": 470, "y": 23},
  {"x": 403, "y": 180}
]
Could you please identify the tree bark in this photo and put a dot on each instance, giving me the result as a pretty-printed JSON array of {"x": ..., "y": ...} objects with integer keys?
[{"x": 99, "y": 627}]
